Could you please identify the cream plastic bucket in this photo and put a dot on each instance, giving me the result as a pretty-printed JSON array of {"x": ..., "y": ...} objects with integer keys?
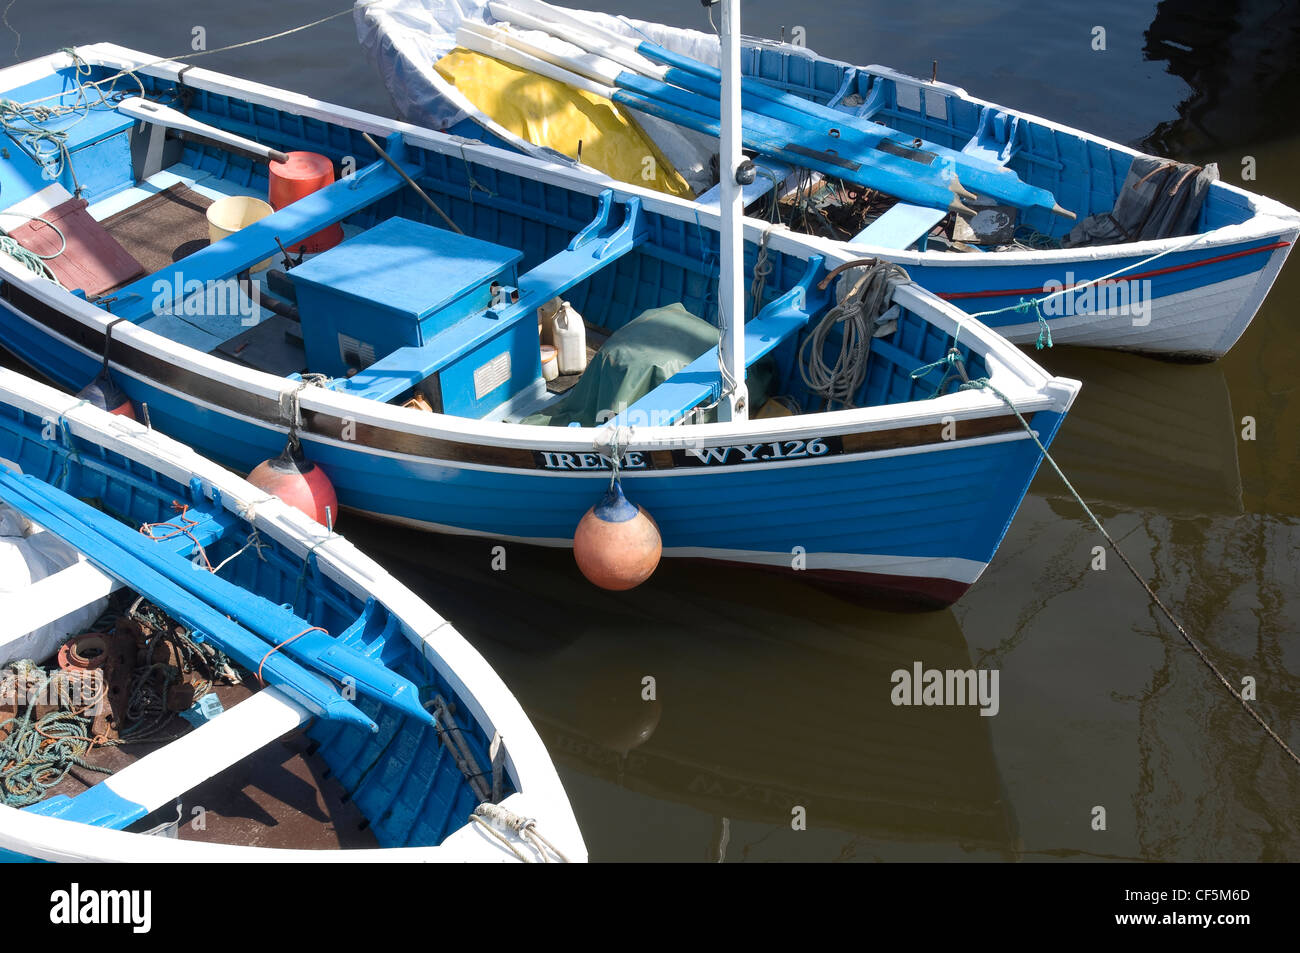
[
  {"x": 227, "y": 216},
  {"x": 550, "y": 362}
]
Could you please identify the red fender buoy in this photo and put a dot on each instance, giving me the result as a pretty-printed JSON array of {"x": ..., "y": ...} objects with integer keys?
[
  {"x": 103, "y": 392},
  {"x": 297, "y": 481},
  {"x": 617, "y": 545}
]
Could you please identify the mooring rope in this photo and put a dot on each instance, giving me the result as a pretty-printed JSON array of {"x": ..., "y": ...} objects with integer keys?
[
  {"x": 196, "y": 54},
  {"x": 25, "y": 122},
  {"x": 982, "y": 383},
  {"x": 498, "y": 820},
  {"x": 500, "y": 837},
  {"x": 33, "y": 261},
  {"x": 1025, "y": 303}
]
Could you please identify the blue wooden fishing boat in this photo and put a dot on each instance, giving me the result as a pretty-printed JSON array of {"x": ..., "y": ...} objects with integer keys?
[
  {"x": 1184, "y": 292},
  {"x": 319, "y": 689},
  {"x": 405, "y": 359}
]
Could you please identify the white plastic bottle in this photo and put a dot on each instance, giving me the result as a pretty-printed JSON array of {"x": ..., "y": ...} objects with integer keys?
[
  {"x": 546, "y": 320},
  {"x": 571, "y": 340}
]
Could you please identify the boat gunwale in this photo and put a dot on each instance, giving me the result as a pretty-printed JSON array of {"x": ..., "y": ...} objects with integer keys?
[
  {"x": 1024, "y": 381},
  {"x": 1052, "y": 394},
  {"x": 1269, "y": 217}
]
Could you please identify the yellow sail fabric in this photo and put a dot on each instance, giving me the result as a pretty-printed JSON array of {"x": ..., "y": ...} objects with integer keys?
[{"x": 549, "y": 113}]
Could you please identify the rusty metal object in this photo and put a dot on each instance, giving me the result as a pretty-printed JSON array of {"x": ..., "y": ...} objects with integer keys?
[
  {"x": 84, "y": 652},
  {"x": 137, "y": 631},
  {"x": 180, "y": 696},
  {"x": 112, "y": 692}
]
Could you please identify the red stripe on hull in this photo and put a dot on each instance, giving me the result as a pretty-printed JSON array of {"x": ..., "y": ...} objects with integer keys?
[{"x": 1016, "y": 292}]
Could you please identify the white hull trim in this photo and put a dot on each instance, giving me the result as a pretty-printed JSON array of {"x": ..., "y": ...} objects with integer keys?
[
  {"x": 965, "y": 571},
  {"x": 1202, "y": 322}
]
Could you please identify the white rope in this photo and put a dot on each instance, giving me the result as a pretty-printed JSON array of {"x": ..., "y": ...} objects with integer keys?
[
  {"x": 858, "y": 308},
  {"x": 254, "y": 540},
  {"x": 290, "y": 401},
  {"x": 248, "y": 511},
  {"x": 497, "y": 818},
  {"x": 1078, "y": 286}
]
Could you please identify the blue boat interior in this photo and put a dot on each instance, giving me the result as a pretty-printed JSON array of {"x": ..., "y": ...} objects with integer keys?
[
  {"x": 1085, "y": 175},
  {"x": 399, "y": 785},
  {"x": 410, "y": 308}
]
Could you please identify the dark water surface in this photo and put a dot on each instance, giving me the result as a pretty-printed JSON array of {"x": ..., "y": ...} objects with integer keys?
[{"x": 772, "y": 694}]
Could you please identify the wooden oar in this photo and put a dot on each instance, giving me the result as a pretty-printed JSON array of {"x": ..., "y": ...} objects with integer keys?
[
  {"x": 855, "y": 138},
  {"x": 161, "y": 115},
  {"x": 33, "y": 500},
  {"x": 870, "y": 143},
  {"x": 762, "y": 135}
]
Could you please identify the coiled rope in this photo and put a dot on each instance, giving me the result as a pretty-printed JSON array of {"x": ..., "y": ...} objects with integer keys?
[
  {"x": 859, "y": 307},
  {"x": 29, "y": 259},
  {"x": 37, "y": 753},
  {"x": 26, "y": 122},
  {"x": 499, "y": 821}
]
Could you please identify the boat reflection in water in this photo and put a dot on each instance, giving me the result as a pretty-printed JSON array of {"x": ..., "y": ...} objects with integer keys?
[
  {"x": 768, "y": 695},
  {"x": 1146, "y": 435}
]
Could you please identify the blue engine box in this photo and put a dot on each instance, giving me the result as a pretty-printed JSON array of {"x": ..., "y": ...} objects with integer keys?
[{"x": 399, "y": 284}]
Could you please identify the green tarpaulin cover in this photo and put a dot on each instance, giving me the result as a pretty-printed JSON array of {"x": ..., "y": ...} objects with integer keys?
[{"x": 636, "y": 359}]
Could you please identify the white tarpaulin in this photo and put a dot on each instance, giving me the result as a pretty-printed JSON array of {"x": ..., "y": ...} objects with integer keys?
[{"x": 405, "y": 38}]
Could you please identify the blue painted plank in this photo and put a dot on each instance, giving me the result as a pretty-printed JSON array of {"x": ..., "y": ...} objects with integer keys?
[
  {"x": 699, "y": 380},
  {"x": 904, "y": 224},
  {"x": 599, "y": 244},
  {"x": 254, "y": 243},
  {"x": 99, "y": 806}
]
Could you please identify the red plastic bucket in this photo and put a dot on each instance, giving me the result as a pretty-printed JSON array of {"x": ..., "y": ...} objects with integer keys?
[{"x": 303, "y": 174}]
